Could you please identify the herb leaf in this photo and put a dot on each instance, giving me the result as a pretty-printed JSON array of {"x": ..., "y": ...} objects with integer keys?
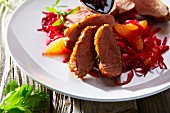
[
  {"x": 55, "y": 9},
  {"x": 15, "y": 110},
  {"x": 59, "y": 21},
  {"x": 10, "y": 87},
  {"x": 51, "y": 9},
  {"x": 34, "y": 102},
  {"x": 57, "y": 1},
  {"x": 1, "y": 110},
  {"x": 19, "y": 99},
  {"x": 72, "y": 11}
]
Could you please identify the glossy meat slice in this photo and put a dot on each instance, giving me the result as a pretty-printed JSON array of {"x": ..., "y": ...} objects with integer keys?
[
  {"x": 154, "y": 8},
  {"x": 78, "y": 16},
  {"x": 121, "y": 6},
  {"x": 108, "y": 52},
  {"x": 83, "y": 57},
  {"x": 74, "y": 31}
]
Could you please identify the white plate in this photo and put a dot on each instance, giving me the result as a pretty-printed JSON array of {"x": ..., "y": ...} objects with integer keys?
[{"x": 25, "y": 44}]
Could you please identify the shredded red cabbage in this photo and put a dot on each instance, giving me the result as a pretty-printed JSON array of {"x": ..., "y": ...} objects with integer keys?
[
  {"x": 142, "y": 61},
  {"x": 53, "y": 32}
]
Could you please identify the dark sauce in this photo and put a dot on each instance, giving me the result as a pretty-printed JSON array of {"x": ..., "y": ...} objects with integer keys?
[{"x": 101, "y": 6}]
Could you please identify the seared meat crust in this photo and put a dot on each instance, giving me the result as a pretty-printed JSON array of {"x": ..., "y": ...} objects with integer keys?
[
  {"x": 74, "y": 31},
  {"x": 108, "y": 52},
  {"x": 77, "y": 16},
  {"x": 83, "y": 57}
]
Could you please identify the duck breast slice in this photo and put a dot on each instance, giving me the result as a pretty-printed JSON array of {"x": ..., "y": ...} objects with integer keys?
[
  {"x": 83, "y": 57},
  {"x": 121, "y": 6},
  {"x": 153, "y": 8},
  {"x": 108, "y": 51},
  {"x": 74, "y": 31},
  {"x": 78, "y": 16}
]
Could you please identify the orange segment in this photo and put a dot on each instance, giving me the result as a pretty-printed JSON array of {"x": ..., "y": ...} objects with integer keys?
[
  {"x": 122, "y": 30},
  {"x": 143, "y": 23},
  {"x": 130, "y": 34},
  {"x": 131, "y": 27},
  {"x": 136, "y": 42},
  {"x": 57, "y": 47}
]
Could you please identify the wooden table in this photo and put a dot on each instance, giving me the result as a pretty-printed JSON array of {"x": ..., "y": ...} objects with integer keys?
[{"x": 59, "y": 103}]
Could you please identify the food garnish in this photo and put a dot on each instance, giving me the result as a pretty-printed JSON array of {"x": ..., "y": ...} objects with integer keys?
[
  {"x": 22, "y": 99},
  {"x": 53, "y": 22},
  {"x": 140, "y": 49},
  {"x": 56, "y": 47}
]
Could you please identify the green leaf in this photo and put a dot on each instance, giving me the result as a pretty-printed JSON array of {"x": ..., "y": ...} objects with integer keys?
[
  {"x": 22, "y": 108},
  {"x": 1, "y": 110},
  {"x": 51, "y": 9},
  {"x": 60, "y": 13},
  {"x": 16, "y": 97},
  {"x": 37, "y": 91},
  {"x": 57, "y": 1},
  {"x": 20, "y": 100},
  {"x": 58, "y": 22},
  {"x": 62, "y": 6},
  {"x": 29, "y": 90},
  {"x": 72, "y": 11},
  {"x": 1, "y": 1},
  {"x": 11, "y": 86},
  {"x": 11, "y": 100},
  {"x": 38, "y": 101},
  {"x": 25, "y": 90},
  {"x": 15, "y": 110}
]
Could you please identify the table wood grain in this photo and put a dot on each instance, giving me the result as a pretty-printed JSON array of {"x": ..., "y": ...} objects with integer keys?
[{"x": 59, "y": 103}]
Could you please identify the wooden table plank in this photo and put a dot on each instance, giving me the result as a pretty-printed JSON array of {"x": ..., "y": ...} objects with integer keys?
[
  {"x": 65, "y": 104},
  {"x": 159, "y": 103},
  {"x": 96, "y": 107}
]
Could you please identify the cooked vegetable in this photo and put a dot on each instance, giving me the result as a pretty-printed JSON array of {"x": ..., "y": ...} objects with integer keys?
[
  {"x": 139, "y": 61},
  {"x": 149, "y": 57},
  {"x": 21, "y": 100}
]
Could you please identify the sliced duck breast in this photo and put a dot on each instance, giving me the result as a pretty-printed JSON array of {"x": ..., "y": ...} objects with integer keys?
[
  {"x": 108, "y": 52},
  {"x": 121, "y": 6},
  {"x": 78, "y": 16},
  {"x": 83, "y": 56},
  {"x": 153, "y": 8},
  {"x": 74, "y": 31}
]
